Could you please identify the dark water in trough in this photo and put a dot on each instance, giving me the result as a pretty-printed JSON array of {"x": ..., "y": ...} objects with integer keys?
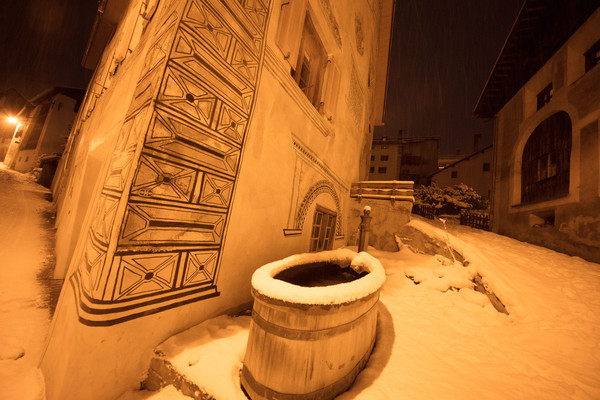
[{"x": 318, "y": 274}]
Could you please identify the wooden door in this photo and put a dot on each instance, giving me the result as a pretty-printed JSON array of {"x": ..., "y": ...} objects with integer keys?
[{"x": 323, "y": 229}]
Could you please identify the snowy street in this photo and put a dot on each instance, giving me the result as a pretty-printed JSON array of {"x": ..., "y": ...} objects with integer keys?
[
  {"x": 26, "y": 290},
  {"x": 436, "y": 342},
  {"x": 436, "y": 339}
]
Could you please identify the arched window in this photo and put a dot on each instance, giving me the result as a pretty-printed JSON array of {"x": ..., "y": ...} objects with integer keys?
[{"x": 546, "y": 158}]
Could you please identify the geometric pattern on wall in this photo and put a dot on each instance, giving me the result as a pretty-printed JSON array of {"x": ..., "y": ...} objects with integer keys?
[
  {"x": 170, "y": 136},
  {"x": 156, "y": 237},
  {"x": 146, "y": 274},
  {"x": 162, "y": 225},
  {"x": 162, "y": 179},
  {"x": 201, "y": 268}
]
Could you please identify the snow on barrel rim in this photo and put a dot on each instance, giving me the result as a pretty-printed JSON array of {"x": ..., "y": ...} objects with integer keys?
[{"x": 264, "y": 283}]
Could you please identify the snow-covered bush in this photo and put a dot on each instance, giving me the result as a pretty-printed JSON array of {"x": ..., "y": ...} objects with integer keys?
[{"x": 450, "y": 199}]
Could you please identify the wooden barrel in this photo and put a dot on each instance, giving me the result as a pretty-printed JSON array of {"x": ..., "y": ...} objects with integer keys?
[{"x": 307, "y": 342}]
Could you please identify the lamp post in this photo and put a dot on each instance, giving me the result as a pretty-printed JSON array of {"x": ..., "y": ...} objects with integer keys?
[{"x": 13, "y": 146}]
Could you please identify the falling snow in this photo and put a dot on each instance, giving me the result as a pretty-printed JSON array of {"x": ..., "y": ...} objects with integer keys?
[{"x": 436, "y": 339}]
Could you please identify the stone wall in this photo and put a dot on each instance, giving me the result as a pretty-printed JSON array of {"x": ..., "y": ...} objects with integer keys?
[{"x": 388, "y": 219}]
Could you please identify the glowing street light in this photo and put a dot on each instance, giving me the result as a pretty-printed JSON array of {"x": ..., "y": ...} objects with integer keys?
[{"x": 12, "y": 120}]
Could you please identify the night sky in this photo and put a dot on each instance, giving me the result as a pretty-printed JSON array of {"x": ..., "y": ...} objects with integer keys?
[
  {"x": 42, "y": 43},
  {"x": 442, "y": 54}
]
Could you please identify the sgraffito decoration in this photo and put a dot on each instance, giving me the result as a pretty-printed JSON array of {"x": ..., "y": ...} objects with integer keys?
[
  {"x": 156, "y": 238},
  {"x": 313, "y": 177},
  {"x": 315, "y": 190}
]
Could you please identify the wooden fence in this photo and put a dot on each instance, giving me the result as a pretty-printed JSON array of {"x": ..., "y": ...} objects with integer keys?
[
  {"x": 425, "y": 210},
  {"x": 475, "y": 220}
]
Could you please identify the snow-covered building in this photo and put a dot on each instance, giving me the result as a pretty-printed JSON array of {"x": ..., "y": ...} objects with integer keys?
[
  {"x": 544, "y": 96},
  {"x": 474, "y": 170},
  {"x": 45, "y": 127},
  {"x": 215, "y": 136}
]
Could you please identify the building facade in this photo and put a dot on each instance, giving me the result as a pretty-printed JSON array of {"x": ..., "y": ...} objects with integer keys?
[
  {"x": 474, "y": 170},
  {"x": 215, "y": 136},
  {"x": 545, "y": 101},
  {"x": 45, "y": 127},
  {"x": 404, "y": 159}
]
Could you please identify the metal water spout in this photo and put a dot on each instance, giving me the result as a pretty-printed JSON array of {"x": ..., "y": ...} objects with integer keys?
[{"x": 364, "y": 227}]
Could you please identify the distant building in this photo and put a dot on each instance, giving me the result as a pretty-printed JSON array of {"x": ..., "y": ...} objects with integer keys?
[
  {"x": 46, "y": 127},
  {"x": 544, "y": 94},
  {"x": 474, "y": 170},
  {"x": 11, "y": 102},
  {"x": 412, "y": 159},
  {"x": 446, "y": 160}
]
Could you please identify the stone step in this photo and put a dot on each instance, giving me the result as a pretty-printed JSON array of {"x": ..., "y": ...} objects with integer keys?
[
  {"x": 203, "y": 362},
  {"x": 162, "y": 373}
]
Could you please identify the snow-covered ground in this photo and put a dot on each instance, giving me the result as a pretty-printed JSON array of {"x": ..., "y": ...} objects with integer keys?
[
  {"x": 24, "y": 312},
  {"x": 435, "y": 342}
]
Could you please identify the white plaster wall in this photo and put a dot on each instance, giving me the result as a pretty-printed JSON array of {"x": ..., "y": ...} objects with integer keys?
[
  {"x": 273, "y": 179},
  {"x": 470, "y": 172}
]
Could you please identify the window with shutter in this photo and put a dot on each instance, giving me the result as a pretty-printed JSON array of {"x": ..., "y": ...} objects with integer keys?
[
  {"x": 313, "y": 69},
  {"x": 289, "y": 31},
  {"x": 310, "y": 66}
]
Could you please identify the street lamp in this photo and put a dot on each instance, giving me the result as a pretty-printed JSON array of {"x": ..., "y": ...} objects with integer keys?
[{"x": 13, "y": 120}]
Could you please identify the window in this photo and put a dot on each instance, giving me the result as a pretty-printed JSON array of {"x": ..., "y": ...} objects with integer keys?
[
  {"x": 371, "y": 170},
  {"x": 382, "y": 170},
  {"x": 310, "y": 67},
  {"x": 546, "y": 160},
  {"x": 544, "y": 96},
  {"x": 383, "y": 158},
  {"x": 486, "y": 166},
  {"x": 372, "y": 158},
  {"x": 454, "y": 174},
  {"x": 313, "y": 69},
  {"x": 592, "y": 56},
  {"x": 321, "y": 237}
]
